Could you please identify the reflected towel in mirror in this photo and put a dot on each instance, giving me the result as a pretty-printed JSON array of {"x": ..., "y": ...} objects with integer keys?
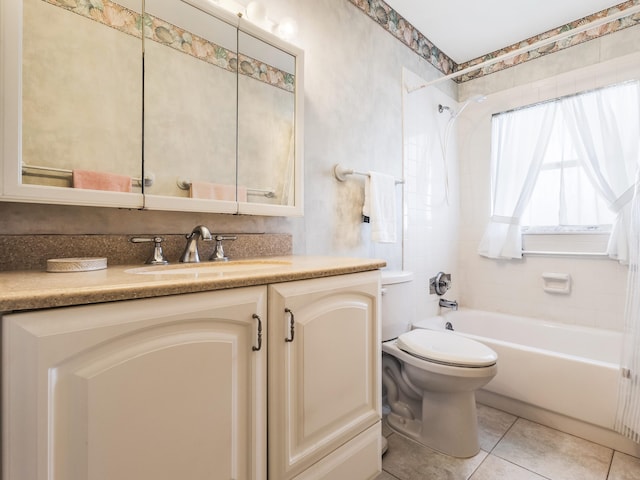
[
  {"x": 92, "y": 180},
  {"x": 217, "y": 191}
]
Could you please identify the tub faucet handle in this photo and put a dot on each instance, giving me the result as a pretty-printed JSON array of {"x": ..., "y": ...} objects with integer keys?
[{"x": 440, "y": 283}]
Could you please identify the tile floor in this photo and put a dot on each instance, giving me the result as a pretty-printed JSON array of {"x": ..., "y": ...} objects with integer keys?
[{"x": 512, "y": 448}]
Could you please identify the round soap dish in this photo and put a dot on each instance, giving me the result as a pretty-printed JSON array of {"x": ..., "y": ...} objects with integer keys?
[{"x": 81, "y": 264}]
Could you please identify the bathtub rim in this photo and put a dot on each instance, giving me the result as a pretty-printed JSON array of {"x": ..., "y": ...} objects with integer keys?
[{"x": 438, "y": 322}]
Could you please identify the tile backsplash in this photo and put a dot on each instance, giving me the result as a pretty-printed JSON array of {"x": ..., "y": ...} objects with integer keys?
[{"x": 30, "y": 252}]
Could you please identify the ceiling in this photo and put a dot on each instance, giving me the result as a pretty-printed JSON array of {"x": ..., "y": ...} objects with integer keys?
[{"x": 466, "y": 29}]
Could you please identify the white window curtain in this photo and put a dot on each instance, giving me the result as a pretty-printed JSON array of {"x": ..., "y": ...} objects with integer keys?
[
  {"x": 627, "y": 420},
  {"x": 519, "y": 142},
  {"x": 607, "y": 141},
  {"x": 604, "y": 128}
]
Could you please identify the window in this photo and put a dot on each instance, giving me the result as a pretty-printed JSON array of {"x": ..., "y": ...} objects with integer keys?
[
  {"x": 563, "y": 196},
  {"x": 564, "y": 166},
  {"x": 563, "y": 199}
]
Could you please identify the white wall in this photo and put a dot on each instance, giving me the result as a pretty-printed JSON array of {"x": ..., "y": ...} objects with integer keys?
[
  {"x": 353, "y": 102},
  {"x": 598, "y": 293}
]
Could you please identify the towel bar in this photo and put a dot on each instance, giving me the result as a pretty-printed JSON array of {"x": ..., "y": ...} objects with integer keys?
[
  {"x": 185, "y": 184},
  {"x": 341, "y": 173},
  {"x": 148, "y": 180}
]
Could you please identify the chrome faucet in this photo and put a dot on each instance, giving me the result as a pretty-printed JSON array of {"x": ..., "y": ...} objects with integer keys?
[
  {"x": 190, "y": 254},
  {"x": 452, "y": 304}
]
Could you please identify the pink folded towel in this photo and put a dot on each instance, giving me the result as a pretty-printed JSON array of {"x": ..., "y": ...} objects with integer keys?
[
  {"x": 101, "y": 181},
  {"x": 242, "y": 193},
  {"x": 217, "y": 191}
]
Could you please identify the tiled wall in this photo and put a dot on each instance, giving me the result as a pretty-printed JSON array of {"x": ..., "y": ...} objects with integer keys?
[
  {"x": 598, "y": 284},
  {"x": 432, "y": 215}
]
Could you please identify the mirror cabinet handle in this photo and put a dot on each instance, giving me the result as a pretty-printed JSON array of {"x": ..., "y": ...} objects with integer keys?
[{"x": 291, "y": 325}]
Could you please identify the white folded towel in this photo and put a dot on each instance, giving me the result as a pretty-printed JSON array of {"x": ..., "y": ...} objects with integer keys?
[{"x": 380, "y": 206}]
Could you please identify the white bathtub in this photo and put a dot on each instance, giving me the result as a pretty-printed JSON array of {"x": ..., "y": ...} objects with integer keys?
[{"x": 566, "y": 369}]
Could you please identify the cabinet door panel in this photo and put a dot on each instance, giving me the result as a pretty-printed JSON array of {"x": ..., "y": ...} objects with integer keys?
[
  {"x": 357, "y": 459},
  {"x": 324, "y": 386},
  {"x": 164, "y": 388},
  {"x": 336, "y": 355},
  {"x": 140, "y": 407}
]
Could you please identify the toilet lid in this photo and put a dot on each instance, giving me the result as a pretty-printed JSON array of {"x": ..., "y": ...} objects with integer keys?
[{"x": 446, "y": 347}]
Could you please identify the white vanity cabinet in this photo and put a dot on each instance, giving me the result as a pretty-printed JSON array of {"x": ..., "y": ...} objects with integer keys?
[
  {"x": 163, "y": 388},
  {"x": 324, "y": 378},
  {"x": 176, "y": 387}
]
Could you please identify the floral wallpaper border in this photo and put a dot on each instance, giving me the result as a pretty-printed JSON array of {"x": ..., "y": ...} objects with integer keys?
[
  {"x": 562, "y": 44},
  {"x": 400, "y": 28},
  {"x": 116, "y": 16},
  {"x": 132, "y": 23}
]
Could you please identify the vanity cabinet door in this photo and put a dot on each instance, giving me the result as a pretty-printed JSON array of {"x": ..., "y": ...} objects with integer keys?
[
  {"x": 160, "y": 389},
  {"x": 324, "y": 375}
]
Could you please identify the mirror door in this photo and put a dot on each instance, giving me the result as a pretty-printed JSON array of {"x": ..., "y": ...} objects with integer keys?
[
  {"x": 77, "y": 70},
  {"x": 269, "y": 126},
  {"x": 190, "y": 96}
]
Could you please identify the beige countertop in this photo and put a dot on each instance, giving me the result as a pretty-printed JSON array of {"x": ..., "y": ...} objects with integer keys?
[{"x": 26, "y": 290}]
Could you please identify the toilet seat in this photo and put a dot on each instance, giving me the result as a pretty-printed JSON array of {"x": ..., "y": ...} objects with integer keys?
[{"x": 446, "y": 348}]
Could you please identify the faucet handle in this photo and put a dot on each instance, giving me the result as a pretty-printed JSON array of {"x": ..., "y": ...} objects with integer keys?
[
  {"x": 440, "y": 283},
  {"x": 219, "y": 238},
  {"x": 218, "y": 254},
  {"x": 157, "y": 257}
]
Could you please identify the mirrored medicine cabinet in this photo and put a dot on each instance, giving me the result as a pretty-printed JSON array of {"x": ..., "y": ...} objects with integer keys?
[{"x": 181, "y": 107}]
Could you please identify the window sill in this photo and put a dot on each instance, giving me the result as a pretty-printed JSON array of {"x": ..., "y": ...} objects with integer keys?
[
  {"x": 567, "y": 230},
  {"x": 585, "y": 243}
]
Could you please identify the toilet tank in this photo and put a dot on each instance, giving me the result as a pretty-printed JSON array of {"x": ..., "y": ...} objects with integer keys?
[{"x": 397, "y": 303}]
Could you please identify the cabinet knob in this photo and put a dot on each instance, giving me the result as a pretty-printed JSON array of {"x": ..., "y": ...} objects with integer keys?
[{"x": 291, "y": 325}]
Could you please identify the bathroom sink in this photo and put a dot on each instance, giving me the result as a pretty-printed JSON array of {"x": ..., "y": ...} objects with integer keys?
[{"x": 209, "y": 268}]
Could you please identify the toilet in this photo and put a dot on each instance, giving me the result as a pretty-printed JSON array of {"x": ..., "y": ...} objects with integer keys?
[{"x": 430, "y": 377}]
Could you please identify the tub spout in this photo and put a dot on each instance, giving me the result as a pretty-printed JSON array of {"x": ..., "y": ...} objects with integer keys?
[{"x": 452, "y": 304}]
